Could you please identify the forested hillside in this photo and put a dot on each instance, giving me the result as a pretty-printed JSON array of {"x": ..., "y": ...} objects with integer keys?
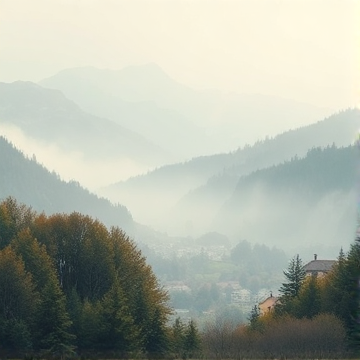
[
  {"x": 32, "y": 184},
  {"x": 302, "y": 202},
  {"x": 180, "y": 193}
]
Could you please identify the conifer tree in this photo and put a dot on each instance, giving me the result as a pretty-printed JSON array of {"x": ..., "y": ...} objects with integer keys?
[
  {"x": 178, "y": 337},
  {"x": 89, "y": 335},
  {"x": 74, "y": 308},
  {"x": 334, "y": 294},
  {"x": 192, "y": 339},
  {"x": 157, "y": 337},
  {"x": 295, "y": 275},
  {"x": 118, "y": 330},
  {"x": 254, "y": 316},
  {"x": 18, "y": 302},
  {"x": 53, "y": 322},
  {"x": 352, "y": 319},
  {"x": 309, "y": 301}
]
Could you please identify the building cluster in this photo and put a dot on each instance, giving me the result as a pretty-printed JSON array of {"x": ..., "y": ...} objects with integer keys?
[{"x": 315, "y": 267}]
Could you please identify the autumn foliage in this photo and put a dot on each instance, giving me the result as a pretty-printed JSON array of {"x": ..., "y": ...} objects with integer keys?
[{"x": 68, "y": 284}]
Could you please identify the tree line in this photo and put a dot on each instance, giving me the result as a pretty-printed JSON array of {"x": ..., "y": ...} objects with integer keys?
[
  {"x": 314, "y": 317},
  {"x": 68, "y": 286}
]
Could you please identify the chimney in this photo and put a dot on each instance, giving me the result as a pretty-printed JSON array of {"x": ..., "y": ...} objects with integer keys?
[{"x": 315, "y": 256}]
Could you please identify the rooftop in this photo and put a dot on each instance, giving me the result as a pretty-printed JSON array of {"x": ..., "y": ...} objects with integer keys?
[{"x": 319, "y": 265}]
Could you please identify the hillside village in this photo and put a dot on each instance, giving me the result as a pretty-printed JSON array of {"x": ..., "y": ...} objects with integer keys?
[{"x": 231, "y": 291}]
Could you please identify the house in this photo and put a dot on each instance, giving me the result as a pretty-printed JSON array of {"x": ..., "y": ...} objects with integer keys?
[
  {"x": 319, "y": 267},
  {"x": 268, "y": 304}
]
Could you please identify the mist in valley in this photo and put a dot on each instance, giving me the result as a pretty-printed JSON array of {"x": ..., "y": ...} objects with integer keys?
[{"x": 221, "y": 136}]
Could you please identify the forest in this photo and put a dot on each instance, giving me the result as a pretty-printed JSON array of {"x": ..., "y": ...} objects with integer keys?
[
  {"x": 172, "y": 174},
  {"x": 71, "y": 287},
  {"x": 67, "y": 282}
]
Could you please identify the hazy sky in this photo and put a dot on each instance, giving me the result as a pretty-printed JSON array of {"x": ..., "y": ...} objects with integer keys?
[{"x": 307, "y": 50}]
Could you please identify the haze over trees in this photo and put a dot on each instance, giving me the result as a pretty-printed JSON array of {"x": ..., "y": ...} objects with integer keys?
[
  {"x": 194, "y": 197},
  {"x": 31, "y": 183},
  {"x": 93, "y": 282},
  {"x": 166, "y": 173},
  {"x": 316, "y": 195},
  {"x": 197, "y": 189},
  {"x": 68, "y": 284}
]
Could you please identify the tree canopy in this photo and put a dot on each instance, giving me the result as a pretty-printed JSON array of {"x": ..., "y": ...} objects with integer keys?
[{"x": 67, "y": 282}]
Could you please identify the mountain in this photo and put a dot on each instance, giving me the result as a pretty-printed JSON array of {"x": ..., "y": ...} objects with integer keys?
[
  {"x": 127, "y": 98},
  {"x": 30, "y": 183},
  {"x": 302, "y": 202},
  {"x": 185, "y": 197},
  {"x": 186, "y": 121},
  {"x": 50, "y": 118}
]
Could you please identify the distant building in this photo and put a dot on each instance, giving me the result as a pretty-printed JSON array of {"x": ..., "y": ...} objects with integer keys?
[
  {"x": 242, "y": 296},
  {"x": 268, "y": 304},
  {"x": 319, "y": 267},
  {"x": 176, "y": 286}
]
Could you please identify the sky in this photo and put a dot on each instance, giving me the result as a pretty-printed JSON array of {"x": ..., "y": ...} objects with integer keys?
[{"x": 307, "y": 50}]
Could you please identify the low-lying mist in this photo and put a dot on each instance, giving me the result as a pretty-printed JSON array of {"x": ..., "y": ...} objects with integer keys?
[
  {"x": 292, "y": 221},
  {"x": 73, "y": 165}
]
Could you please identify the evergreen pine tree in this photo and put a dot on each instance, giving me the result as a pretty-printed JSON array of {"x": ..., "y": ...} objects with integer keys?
[
  {"x": 89, "y": 335},
  {"x": 308, "y": 302},
  {"x": 254, "y": 316},
  {"x": 53, "y": 322},
  {"x": 192, "y": 339},
  {"x": 352, "y": 319},
  {"x": 118, "y": 329},
  {"x": 18, "y": 302},
  {"x": 74, "y": 309},
  {"x": 295, "y": 275},
  {"x": 178, "y": 337},
  {"x": 157, "y": 339}
]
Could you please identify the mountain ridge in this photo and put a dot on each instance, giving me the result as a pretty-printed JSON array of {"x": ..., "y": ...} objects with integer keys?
[
  {"x": 206, "y": 177},
  {"x": 145, "y": 99},
  {"x": 307, "y": 201},
  {"x": 47, "y": 115},
  {"x": 32, "y": 184}
]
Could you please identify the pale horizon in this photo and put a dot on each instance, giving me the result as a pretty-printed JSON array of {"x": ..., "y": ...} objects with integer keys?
[{"x": 301, "y": 50}]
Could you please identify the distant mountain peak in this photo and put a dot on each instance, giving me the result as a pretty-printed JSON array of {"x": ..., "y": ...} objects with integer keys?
[{"x": 24, "y": 84}]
